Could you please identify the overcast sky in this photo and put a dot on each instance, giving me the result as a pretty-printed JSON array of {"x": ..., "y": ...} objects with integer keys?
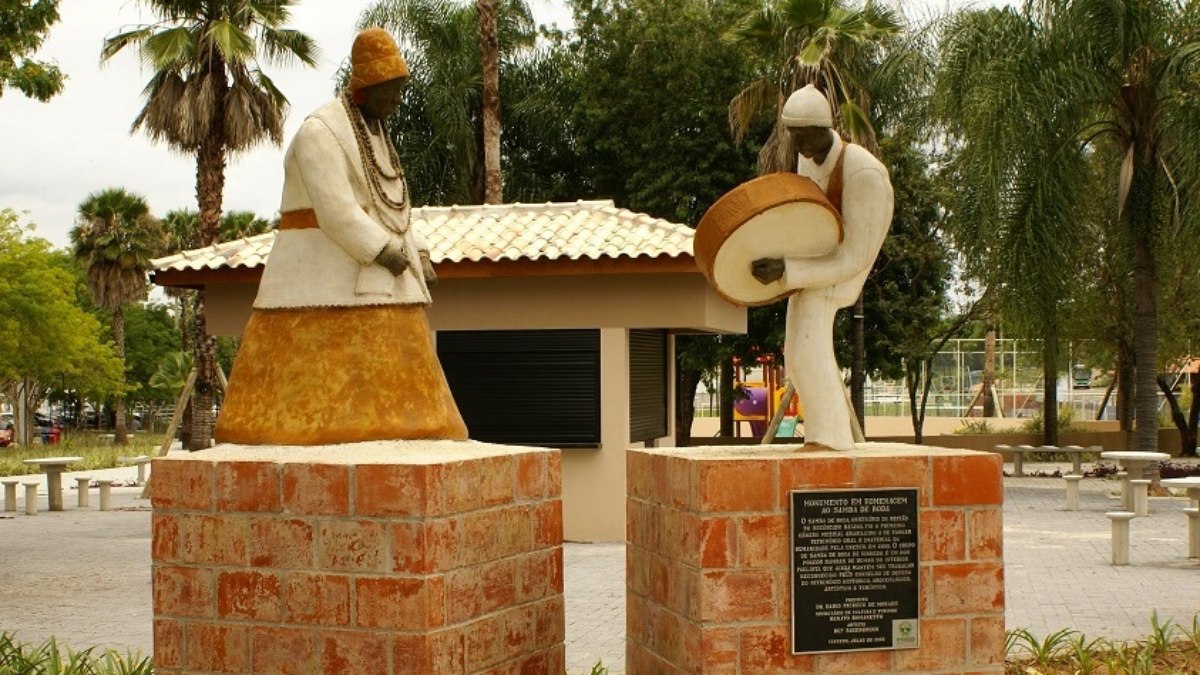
[{"x": 53, "y": 154}]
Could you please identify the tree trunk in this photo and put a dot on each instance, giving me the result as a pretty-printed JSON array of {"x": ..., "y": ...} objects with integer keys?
[
  {"x": 1138, "y": 217},
  {"x": 1125, "y": 378},
  {"x": 210, "y": 187},
  {"x": 489, "y": 48},
  {"x": 726, "y": 389},
  {"x": 1050, "y": 379},
  {"x": 185, "y": 332},
  {"x": 989, "y": 373},
  {"x": 120, "y": 433},
  {"x": 202, "y": 399},
  {"x": 1187, "y": 434},
  {"x": 685, "y": 405},
  {"x": 912, "y": 381},
  {"x": 858, "y": 363},
  {"x": 1193, "y": 416}
]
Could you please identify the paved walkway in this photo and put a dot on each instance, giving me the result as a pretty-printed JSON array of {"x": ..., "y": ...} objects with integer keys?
[{"x": 84, "y": 576}]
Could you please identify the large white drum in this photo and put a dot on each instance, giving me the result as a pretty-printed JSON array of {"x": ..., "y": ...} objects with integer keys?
[{"x": 780, "y": 215}]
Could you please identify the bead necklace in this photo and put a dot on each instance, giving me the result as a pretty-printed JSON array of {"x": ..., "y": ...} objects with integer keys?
[{"x": 371, "y": 166}]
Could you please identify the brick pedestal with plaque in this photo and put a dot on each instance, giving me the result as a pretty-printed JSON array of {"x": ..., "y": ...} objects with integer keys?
[
  {"x": 404, "y": 557},
  {"x": 752, "y": 561}
]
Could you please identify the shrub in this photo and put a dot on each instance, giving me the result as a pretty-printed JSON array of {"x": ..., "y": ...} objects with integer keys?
[{"x": 49, "y": 659}]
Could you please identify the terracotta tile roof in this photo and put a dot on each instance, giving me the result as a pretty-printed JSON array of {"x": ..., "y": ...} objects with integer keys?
[{"x": 594, "y": 229}]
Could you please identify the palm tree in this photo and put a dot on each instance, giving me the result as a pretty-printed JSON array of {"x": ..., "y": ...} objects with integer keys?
[
  {"x": 1033, "y": 94},
  {"x": 209, "y": 96},
  {"x": 849, "y": 53},
  {"x": 863, "y": 61},
  {"x": 241, "y": 224},
  {"x": 489, "y": 51},
  {"x": 451, "y": 111},
  {"x": 115, "y": 238}
]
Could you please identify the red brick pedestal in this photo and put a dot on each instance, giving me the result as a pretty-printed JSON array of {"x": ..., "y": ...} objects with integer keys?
[
  {"x": 708, "y": 585},
  {"x": 409, "y": 557}
]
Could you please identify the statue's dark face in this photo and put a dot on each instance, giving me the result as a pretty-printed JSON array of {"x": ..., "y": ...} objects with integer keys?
[
  {"x": 812, "y": 142},
  {"x": 382, "y": 99}
]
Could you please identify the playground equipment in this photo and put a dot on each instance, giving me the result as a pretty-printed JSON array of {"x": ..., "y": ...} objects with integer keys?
[{"x": 755, "y": 406}]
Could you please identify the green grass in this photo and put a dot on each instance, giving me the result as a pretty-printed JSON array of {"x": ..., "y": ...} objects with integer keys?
[{"x": 95, "y": 454}]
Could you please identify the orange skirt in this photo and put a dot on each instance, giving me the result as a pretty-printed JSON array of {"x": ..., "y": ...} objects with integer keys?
[{"x": 320, "y": 376}]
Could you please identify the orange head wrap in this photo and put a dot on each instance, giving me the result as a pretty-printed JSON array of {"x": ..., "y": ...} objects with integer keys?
[{"x": 375, "y": 58}]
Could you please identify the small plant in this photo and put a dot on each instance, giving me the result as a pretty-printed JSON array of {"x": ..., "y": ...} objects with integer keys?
[
  {"x": 1178, "y": 470},
  {"x": 1066, "y": 421},
  {"x": 1044, "y": 651},
  {"x": 1102, "y": 470},
  {"x": 599, "y": 669},
  {"x": 1083, "y": 652},
  {"x": 974, "y": 427},
  {"x": 1169, "y": 648},
  {"x": 48, "y": 659},
  {"x": 1161, "y": 635}
]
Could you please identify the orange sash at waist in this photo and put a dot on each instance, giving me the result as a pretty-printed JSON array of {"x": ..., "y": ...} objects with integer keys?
[{"x": 300, "y": 219}]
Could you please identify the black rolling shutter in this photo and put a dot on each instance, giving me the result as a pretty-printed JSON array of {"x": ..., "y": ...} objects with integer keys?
[
  {"x": 539, "y": 387},
  {"x": 647, "y": 384}
]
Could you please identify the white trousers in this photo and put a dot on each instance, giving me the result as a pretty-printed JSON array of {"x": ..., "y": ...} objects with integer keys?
[{"x": 812, "y": 368}]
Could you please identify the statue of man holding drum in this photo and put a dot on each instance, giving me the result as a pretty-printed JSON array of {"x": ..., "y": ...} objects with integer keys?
[{"x": 857, "y": 186}]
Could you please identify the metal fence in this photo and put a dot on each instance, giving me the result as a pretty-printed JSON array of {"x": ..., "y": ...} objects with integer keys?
[{"x": 956, "y": 376}]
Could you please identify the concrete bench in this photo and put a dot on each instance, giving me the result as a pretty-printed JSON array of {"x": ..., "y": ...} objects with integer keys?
[
  {"x": 1076, "y": 453},
  {"x": 54, "y": 467},
  {"x": 142, "y": 461}
]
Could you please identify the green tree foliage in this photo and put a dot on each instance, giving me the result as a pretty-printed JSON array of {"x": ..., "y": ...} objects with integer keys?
[
  {"x": 150, "y": 336},
  {"x": 208, "y": 96},
  {"x": 438, "y": 129},
  {"x": 906, "y": 294},
  {"x": 651, "y": 132},
  {"x": 22, "y": 31},
  {"x": 650, "y": 118},
  {"x": 114, "y": 240},
  {"x": 240, "y": 224},
  {"x": 46, "y": 338},
  {"x": 1033, "y": 93},
  {"x": 840, "y": 48}
]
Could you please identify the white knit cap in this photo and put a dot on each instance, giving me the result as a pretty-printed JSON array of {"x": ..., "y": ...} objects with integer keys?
[{"x": 807, "y": 107}]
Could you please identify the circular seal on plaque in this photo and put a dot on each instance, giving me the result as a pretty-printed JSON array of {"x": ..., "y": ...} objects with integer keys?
[{"x": 780, "y": 215}]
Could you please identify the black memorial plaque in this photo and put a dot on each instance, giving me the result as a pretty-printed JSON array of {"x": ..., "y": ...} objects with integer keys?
[{"x": 854, "y": 570}]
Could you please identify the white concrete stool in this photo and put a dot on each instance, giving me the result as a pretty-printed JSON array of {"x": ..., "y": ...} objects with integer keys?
[
  {"x": 31, "y": 498},
  {"x": 1126, "y": 496},
  {"x": 1193, "y": 516},
  {"x": 84, "y": 482},
  {"x": 1072, "y": 491},
  {"x": 10, "y": 495},
  {"x": 1120, "y": 535},
  {"x": 105, "y": 494},
  {"x": 1141, "y": 496}
]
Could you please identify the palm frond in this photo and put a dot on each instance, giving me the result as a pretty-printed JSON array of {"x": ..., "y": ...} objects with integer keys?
[
  {"x": 234, "y": 44},
  {"x": 287, "y": 46},
  {"x": 114, "y": 44},
  {"x": 760, "y": 97}
]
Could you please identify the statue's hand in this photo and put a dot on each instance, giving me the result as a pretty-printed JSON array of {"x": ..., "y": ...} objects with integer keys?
[
  {"x": 767, "y": 270},
  {"x": 393, "y": 257},
  {"x": 431, "y": 277}
]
